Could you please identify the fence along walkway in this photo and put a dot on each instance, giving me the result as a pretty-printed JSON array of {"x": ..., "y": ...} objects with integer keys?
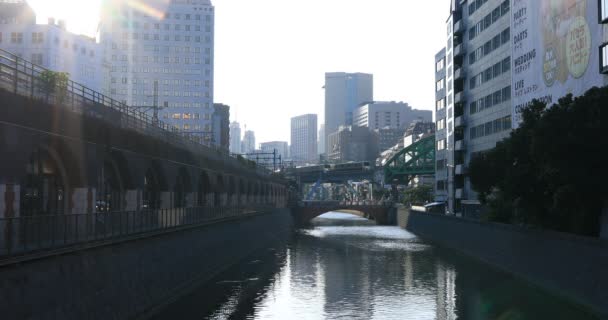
[
  {"x": 29, "y": 234},
  {"x": 26, "y": 79}
]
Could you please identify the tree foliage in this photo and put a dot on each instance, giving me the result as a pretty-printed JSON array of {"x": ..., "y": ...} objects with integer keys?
[
  {"x": 551, "y": 171},
  {"x": 419, "y": 195},
  {"x": 53, "y": 83}
]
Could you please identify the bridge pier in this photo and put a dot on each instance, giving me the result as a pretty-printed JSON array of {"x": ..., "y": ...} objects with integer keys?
[{"x": 131, "y": 200}]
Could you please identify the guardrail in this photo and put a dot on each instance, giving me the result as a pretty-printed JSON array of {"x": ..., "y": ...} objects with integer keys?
[
  {"x": 30, "y": 234},
  {"x": 25, "y": 78},
  {"x": 319, "y": 204}
]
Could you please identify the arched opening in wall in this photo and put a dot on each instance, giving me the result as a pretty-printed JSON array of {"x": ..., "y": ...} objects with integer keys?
[
  {"x": 231, "y": 189},
  {"x": 203, "y": 189},
  {"x": 110, "y": 188},
  {"x": 45, "y": 188},
  {"x": 250, "y": 191},
  {"x": 181, "y": 189},
  {"x": 242, "y": 189},
  {"x": 219, "y": 189},
  {"x": 151, "y": 192}
]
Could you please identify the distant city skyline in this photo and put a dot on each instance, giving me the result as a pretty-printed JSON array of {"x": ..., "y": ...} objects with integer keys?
[{"x": 263, "y": 83}]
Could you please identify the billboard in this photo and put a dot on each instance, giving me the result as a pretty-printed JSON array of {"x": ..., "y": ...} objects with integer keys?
[{"x": 554, "y": 50}]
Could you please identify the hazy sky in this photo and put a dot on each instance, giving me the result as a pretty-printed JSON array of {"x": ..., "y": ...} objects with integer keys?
[{"x": 271, "y": 55}]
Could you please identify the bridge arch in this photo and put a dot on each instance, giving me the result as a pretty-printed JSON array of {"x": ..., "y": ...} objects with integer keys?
[
  {"x": 219, "y": 190},
  {"x": 306, "y": 211},
  {"x": 46, "y": 184},
  {"x": 204, "y": 186},
  {"x": 181, "y": 189},
  {"x": 242, "y": 198},
  {"x": 110, "y": 186},
  {"x": 231, "y": 190},
  {"x": 154, "y": 183}
]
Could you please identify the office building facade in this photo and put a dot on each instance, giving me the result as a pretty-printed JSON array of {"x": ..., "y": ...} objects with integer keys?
[
  {"x": 220, "y": 125},
  {"x": 321, "y": 137},
  {"x": 352, "y": 143},
  {"x": 304, "y": 139},
  {"x": 161, "y": 57},
  {"x": 390, "y": 114},
  {"x": 494, "y": 64},
  {"x": 235, "y": 137},
  {"x": 281, "y": 147},
  {"x": 344, "y": 92},
  {"x": 248, "y": 143}
]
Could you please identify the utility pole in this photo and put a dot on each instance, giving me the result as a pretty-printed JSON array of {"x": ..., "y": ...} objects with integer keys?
[{"x": 155, "y": 115}]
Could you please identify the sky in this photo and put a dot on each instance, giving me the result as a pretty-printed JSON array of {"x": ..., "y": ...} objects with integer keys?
[{"x": 271, "y": 55}]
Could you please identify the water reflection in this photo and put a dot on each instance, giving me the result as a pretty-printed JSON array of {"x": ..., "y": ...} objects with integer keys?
[{"x": 361, "y": 271}]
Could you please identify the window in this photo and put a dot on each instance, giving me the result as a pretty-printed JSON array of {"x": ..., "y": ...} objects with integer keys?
[
  {"x": 604, "y": 11},
  {"x": 16, "y": 37},
  {"x": 441, "y": 144},
  {"x": 604, "y": 56},
  {"x": 440, "y": 104},
  {"x": 441, "y": 124},
  {"x": 439, "y": 85},
  {"x": 441, "y": 185},
  {"x": 439, "y": 65},
  {"x": 37, "y": 37}
]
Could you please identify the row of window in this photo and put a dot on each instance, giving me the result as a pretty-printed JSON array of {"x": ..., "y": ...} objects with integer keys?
[
  {"x": 166, "y": 37},
  {"x": 475, "y": 5},
  {"x": 157, "y": 59},
  {"x": 490, "y": 73},
  {"x": 156, "y": 48},
  {"x": 175, "y": 82},
  {"x": 490, "y": 45},
  {"x": 163, "y": 93},
  {"x": 492, "y": 127},
  {"x": 187, "y": 126},
  {"x": 441, "y": 164},
  {"x": 188, "y": 116},
  {"x": 38, "y": 38},
  {"x": 125, "y": 69},
  {"x": 490, "y": 100},
  {"x": 490, "y": 19},
  {"x": 156, "y": 26},
  {"x": 167, "y": 104}
]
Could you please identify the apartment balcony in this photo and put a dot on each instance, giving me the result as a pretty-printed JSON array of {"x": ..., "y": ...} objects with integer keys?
[
  {"x": 460, "y": 121},
  {"x": 459, "y": 97},
  {"x": 460, "y": 145},
  {"x": 460, "y": 169},
  {"x": 459, "y": 50},
  {"x": 459, "y": 27},
  {"x": 459, "y": 74},
  {"x": 458, "y": 193}
]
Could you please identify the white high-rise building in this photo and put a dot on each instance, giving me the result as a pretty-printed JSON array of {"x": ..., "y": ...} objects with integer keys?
[
  {"x": 321, "y": 137},
  {"x": 248, "y": 144},
  {"x": 235, "y": 137},
  {"x": 51, "y": 46},
  {"x": 304, "y": 138},
  {"x": 161, "y": 56}
]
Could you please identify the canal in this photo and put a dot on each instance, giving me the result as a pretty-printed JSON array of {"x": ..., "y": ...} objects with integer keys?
[{"x": 345, "y": 267}]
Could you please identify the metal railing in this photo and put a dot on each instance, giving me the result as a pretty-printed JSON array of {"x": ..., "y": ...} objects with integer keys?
[
  {"x": 334, "y": 203},
  {"x": 30, "y": 234},
  {"x": 25, "y": 78}
]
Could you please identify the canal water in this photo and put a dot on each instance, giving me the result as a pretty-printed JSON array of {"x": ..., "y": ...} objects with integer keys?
[{"x": 345, "y": 267}]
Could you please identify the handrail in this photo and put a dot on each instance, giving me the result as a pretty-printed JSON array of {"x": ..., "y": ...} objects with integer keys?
[
  {"x": 29, "y": 234},
  {"x": 22, "y": 77}
]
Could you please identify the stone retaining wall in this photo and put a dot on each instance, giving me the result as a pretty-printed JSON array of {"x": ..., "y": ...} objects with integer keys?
[{"x": 570, "y": 266}]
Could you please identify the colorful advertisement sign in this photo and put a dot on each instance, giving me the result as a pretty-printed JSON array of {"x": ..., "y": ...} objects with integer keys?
[{"x": 554, "y": 50}]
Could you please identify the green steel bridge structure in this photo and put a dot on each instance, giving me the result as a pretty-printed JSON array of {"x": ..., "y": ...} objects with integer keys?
[{"x": 413, "y": 160}]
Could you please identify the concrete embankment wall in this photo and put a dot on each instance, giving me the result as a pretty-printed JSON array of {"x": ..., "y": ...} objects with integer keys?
[
  {"x": 130, "y": 279},
  {"x": 566, "y": 265}
]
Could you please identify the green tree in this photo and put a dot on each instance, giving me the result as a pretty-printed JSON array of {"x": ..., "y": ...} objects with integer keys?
[
  {"x": 418, "y": 195},
  {"x": 53, "y": 83},
  {"x": 549, "y": 172}
]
